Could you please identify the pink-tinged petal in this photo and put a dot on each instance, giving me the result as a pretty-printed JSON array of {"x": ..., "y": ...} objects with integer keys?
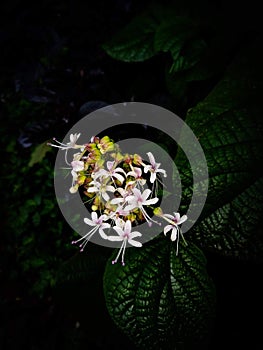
[
  {"x": 119, "y": 230},
  {"x": 152, "y": 178},
  {"x": 183, "y": 219},
  {"x": 174, "y": 234},
  {"x": 176, "y": 217},
  {"x": 131, "y": 199},
  {"x": 94, "y": 216},
  {"x": 131, "y": 207},
  {"x": 151, "y": 158},
  {"x": 137, "y": 193},
  {"x": 115, "y": 238},
  {"x": 110, "y": 165},
  {"x": 89, "y": 222},
  {"x": 127, "y": 227},
  {"x": 151, "y": 201},
  {"x": 167, "y": 228},
  {"x": 134, "y": 243},
  {"x": 169, "y": 216}
]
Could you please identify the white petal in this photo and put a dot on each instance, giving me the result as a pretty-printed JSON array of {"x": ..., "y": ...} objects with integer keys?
[
  {"x": 119, "y": 170},
  {"x": 183, "y": 219},
  {"x": 105, "y": 196},
  {"x": 174, "y": 234},
  {"x": 135, "y": 234},
  {"x": 146, "y": 194},
  {"x": 93, "y": 189},
  {"x": 147, "y": 168},
  {"x": 118, "y": 177},
  {"x": 131, "y": 199},
  {"x": 137, "y": 193},
  {"x": 89, "y": 222},
  {"x": 131, "y": 207},
  {"x": 127, "y": 227},
  {"x": 152, "y": 178},
  {"x": 118, "y": 229},
  {"x": 117, "y": 200},
  {"x": 167, "y": 228},
  {"x": 151, "y": 201},
  {"x": 115, "y": 238},
  {"x": 102, "y": 234},
  {"x": 162, "y": 171},
  {"x": 169, "y": 216},
  {"x": 110, "y": 189},
  {"x": 94, "y": 216},
  {"x": 151, "y": 158},
  {"x": 134, "y": 243},
  {"x": 177, "y": 217}
]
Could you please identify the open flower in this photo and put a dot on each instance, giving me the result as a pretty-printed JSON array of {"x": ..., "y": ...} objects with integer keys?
[
  {"x": 153, "y": 168},
  {"x": 174, "y": 222},
  {"x": 125, "y": 235},
  {"x": 72, "y": 144},
  {"x": 99, "y": 225},
  {"x": 112, "y": 172},
  {"x": 139, "y": 200},
  {"x": 101, "y": 189}
]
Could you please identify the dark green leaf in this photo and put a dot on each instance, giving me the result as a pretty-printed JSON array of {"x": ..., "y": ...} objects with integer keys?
[
  {"x": 228, "y": 124},
  {"x": 135, "y": 42},
  {"x": 171, "y": 35},
  {"x": 161, "y": 300}
]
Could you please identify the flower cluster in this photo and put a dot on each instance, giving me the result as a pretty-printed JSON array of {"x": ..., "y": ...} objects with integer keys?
[{"x": 120, "y": 189}]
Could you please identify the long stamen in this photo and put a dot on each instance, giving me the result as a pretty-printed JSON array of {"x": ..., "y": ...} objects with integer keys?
[
  {"x": 148, "y": 218},
  {"x": 117, "y": 257},
  {"x": 123, "y": 252},
  {"x": 86, "y": 236}
]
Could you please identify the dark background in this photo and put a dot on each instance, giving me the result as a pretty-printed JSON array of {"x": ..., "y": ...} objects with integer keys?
[{"x": 53, "y": 71}]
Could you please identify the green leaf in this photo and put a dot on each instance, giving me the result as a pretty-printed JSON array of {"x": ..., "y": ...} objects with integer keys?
[
  {"x": 190, "y": 54},
  {"x": 135, "y": 42},
  {"x": 172, "y": 34},
  {"x": 161, "y": 300},
  {"x": 228, "y": 124},
  {"x": 39, "y": 154}
]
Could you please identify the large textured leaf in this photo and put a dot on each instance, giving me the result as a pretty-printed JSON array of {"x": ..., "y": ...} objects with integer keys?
[
  {"x": 135, "y": 42},
  {"x": 229, "y": 125},
  {"x": 161, "y": 300},
  {"x": 172, "y": 34}
]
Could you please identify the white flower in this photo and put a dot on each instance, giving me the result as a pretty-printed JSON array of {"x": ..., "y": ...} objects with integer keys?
[
  {"x": 174, "y": 220},
  {"x": 99, "y": 225},
  {"x": 111, "y": 172},
  {"x": 77, "y": 165},
  {"x": 101, "y": 189},
  {"x": 66, "y": 146},
  {"x": 153, "y": 168},
  {"x": 137, "y": 174},
  {"x": 124, "y": 194},
  {"x": 125, "y": 235},
  {"x": 138, "y": 200}
]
